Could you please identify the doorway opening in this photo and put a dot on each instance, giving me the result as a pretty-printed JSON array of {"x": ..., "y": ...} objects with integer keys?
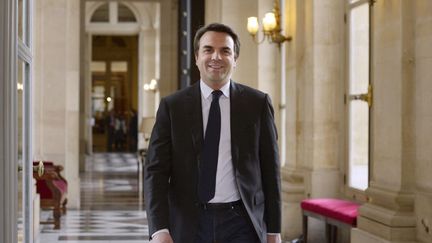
[{"x": 114, "y": 96}]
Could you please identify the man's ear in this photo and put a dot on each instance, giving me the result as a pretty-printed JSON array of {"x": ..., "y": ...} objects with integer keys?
[{"x": 196, "y": 58}]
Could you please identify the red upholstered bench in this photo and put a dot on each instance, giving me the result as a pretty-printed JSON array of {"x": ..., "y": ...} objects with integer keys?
[
  {"x": 52, "y": 188},
  {"x": 334, "y": 212}
]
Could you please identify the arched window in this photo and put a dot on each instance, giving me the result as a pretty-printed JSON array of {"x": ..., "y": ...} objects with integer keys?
[
  {"x": 101, "y": 14},
  {"x": 125, "y": 14}
]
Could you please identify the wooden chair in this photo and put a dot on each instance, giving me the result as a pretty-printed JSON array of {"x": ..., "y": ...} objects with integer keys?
[{"x": 52, "y": 188}]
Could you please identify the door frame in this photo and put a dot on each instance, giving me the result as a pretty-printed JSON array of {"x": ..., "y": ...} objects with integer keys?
[
  {"x": 351, "y": 192},
  {"x": 8, "y": 129}
]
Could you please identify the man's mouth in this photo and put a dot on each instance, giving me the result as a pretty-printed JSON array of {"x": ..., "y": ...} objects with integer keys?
[{"x": 215, "y": 66}]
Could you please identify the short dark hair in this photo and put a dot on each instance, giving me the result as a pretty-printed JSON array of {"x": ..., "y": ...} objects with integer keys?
[{"x": 217, "y": 27}]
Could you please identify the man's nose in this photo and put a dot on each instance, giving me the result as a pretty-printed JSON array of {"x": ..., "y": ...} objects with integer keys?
[{"x": 216, "y": 55}]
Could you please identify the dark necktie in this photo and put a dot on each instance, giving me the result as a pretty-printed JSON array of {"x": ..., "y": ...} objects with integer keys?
[{"x": 210, "y": 151}]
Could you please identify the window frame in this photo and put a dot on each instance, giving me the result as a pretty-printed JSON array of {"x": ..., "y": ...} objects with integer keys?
[{"x": 351, "y": 192}]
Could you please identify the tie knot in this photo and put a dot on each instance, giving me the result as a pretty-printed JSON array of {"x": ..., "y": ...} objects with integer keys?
[{"x": 216, "y": 94}]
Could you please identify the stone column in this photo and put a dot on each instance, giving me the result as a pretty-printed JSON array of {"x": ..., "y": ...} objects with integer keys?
[
  {"x": 71, "y": 169},
  {"x": 314, "y": 71},
  {"x": 57, "y": 68},
  {"x": 320, "y": 98},
  {"x": 389, "y": 215},
  {"x": 146, "y": 72},
  {"x": 167, "y": 48},
  {"x": 292, "y": 178},
  {"x": 423, "y": 118}
]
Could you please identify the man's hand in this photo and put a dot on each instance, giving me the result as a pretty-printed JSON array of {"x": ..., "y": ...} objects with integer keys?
[
  {"x": 162, "y": 237},
  {"x": 274, "y": 238}
]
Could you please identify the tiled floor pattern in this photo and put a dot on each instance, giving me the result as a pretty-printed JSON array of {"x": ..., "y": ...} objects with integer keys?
[{"x": 111, "y": 208}]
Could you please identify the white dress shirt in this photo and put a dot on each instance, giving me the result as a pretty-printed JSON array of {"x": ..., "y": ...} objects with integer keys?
[{"x": 226, "y": 189}]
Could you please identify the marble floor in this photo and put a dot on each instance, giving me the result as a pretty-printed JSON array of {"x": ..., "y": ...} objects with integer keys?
[
  {"x": 112, "y": 209},
  {"x": 111, "y": 204}
]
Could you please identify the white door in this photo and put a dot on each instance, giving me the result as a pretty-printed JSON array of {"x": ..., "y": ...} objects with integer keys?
[{"x": 15, "y": 116}]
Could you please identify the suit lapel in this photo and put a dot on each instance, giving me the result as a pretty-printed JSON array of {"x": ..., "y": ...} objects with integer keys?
[
  {"x": 236, "y": 103},
  {"x": 194, "y": 111}
]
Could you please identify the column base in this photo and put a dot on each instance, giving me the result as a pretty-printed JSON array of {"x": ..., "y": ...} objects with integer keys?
[
  {"x": 384, "y": 225},
  {"x": 361, "y": 236},
  {"x": 292, "y": 193}
]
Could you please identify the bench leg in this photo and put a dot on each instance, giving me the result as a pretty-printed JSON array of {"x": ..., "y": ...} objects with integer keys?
[
  {"x": 57, "y": 214},
  {"x": 64, "y": 206},
  {"x": 334, "y": 230},
  {"x": 305, "y": 228},
  {"x": 328, "y": 229}
]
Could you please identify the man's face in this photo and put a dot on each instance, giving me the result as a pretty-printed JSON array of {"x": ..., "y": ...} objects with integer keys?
[{"x": 215, "y": 58}]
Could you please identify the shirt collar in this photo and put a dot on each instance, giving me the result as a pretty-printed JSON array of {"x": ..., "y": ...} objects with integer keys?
[{"x": 206, "y": 90}]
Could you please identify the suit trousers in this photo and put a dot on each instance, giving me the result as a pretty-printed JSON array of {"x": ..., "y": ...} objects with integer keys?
[{"x": 225, "y": 225}]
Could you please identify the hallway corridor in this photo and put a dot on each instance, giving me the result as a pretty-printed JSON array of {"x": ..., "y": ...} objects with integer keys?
[{"x": 111, "y": 209}]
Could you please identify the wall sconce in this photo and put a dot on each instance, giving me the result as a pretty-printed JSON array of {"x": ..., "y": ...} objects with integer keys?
[
  {"x": 152, "y": 86},
  {"x": 271, "y": 27}
]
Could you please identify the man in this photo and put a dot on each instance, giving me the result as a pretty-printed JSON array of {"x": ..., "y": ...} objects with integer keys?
[
  {"x": 212, "y": 170},
  {"x": 133, "y": 131}
]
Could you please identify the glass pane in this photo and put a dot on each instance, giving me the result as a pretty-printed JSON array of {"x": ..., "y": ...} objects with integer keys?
[
  {"x": 101, "y": 14},
  {"x": 359, "y": 110},
  {"x": 98, "y": 67},
  {"x": 20, "y": 117},
  {"x": 359, "y": 49},
  {"x": 119, "y": 66},
  {"x": 125, "y": 14},
  {"x": 98, "y": 98},
  {"x": 359, "y": 144}
]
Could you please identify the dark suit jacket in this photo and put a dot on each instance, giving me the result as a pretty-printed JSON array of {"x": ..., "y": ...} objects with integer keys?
[{"x": 171, "y": 169}]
